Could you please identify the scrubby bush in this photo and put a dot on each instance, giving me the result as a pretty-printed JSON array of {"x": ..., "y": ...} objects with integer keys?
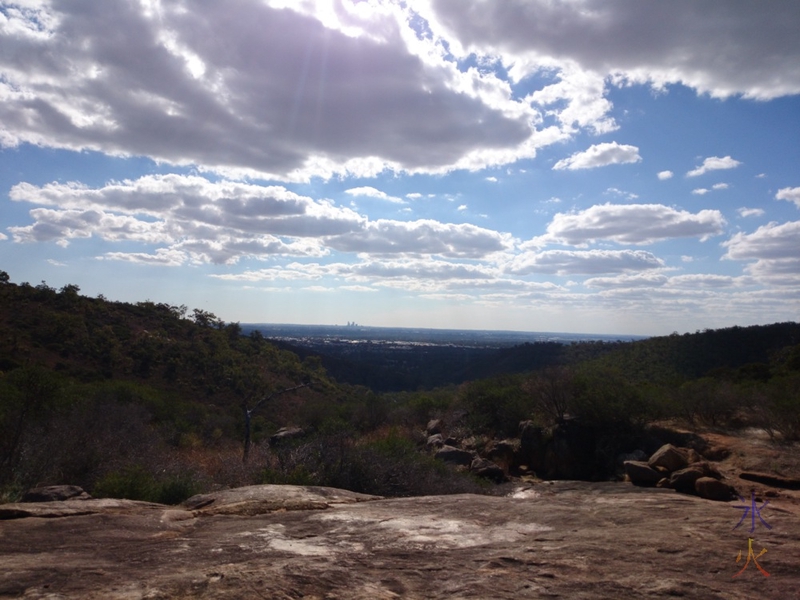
[
  {"x": 496, "y": 405},
  {"x": 386, "y": 462},
  {"x": 135, "y": 482},
  {"x": 778, "y": 408}
]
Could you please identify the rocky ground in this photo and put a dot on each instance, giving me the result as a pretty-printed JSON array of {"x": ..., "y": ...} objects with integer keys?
[{"x": 543, "y": 540}]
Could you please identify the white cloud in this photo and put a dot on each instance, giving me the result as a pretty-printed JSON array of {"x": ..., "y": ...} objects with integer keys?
[
  {"x": 714, "y": 163},
  {"x": 222, "y": 222},
  {"x": 771, "y": 241},
  {"x": 750, "y": 212},
  {"x": 358, "y": 288},
  {"x": 621, "y": 193},
  {"x": 591, "y": 262},
  {"x": 664, "y": 175},
  {"x": 462, "y": 207},
  {"x": 638, "y": 280},
  {"x": 492, "y": 179},
  {"x": 577, "y": 101},
  {"x": 372, "y": 192},
  {"x": 163, "y": 257},
  {"x": 773, "y": 247},
  {"x": 414, "y": 196},
  {"x": 630, "y": 224},
  {"x": 600, "y": 155},
  {"x": 248, "y": 88},
  {"x": 700, "y": 45},
  {"x": 720, "y": 186},
  {"x": 789, "y": 194},
  {"x": 700, "y": 191},
  {"x": 422, "y": 237},
  {"x": 699, "y": 280}
]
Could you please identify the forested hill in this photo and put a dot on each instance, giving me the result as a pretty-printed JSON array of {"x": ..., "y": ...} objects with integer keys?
[
  {"x": 729, "y": 352},
  {"x": 191, "y": 355}
]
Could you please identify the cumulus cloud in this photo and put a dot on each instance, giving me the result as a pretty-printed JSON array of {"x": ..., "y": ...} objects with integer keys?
[
  {"x": 591, "y": 262},
  {"x": 700, "y": 191},
  {"x": 664, "y": 175},
  {"x": 621, "y": 193},
  {"x": 385, "y": 237},
  {"x": 248, "y": 87},
  {"x": 637, "y": 280},
  {"x": 208, "y": 222},
  {"x": 714, "y": 163},
  {"x": 701, "y": 280},
  {"x": 630, "y": 224},
  {"x": 372, "y": 192},
  {"x": 222, "y": 222},
  {"x": 771, "y": 241},
  {"x": 577, "y": 100},
  {"x": 750, "y": 212},
  {"x": 701, "y": 45},
  {"x": 773, "y": 247},
  {"x": 600, "y": 155},
  {"x": 789, "y": 194}
]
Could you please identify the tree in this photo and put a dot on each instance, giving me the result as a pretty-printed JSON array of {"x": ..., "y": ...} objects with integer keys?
[
  {"x": 248, "y": 414},
  {"x": 553, "y": 391},
  {"x": 206, "y": 319},
  {"x": 4, "y": 278}
]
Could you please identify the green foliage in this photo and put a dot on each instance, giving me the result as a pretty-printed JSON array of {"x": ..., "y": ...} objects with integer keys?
[
  {"x": 779, "y": 407},
  {"x": 137, "y": 400},
  {"x": 497, "y": 404},
  {"x": 132, "y": 483},
  {"x": 137, "y": 483}
]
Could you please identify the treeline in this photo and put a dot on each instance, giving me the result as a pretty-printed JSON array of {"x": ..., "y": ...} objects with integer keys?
[
  {"x": 668, "y": 360},
  {"x": 154, "y": 401}
]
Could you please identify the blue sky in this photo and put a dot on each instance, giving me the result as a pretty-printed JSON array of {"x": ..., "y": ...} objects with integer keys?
[{"x": 621, "y": 166}]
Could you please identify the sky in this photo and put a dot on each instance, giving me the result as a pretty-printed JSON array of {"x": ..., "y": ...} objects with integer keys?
[{"x": 584, "y": 166}]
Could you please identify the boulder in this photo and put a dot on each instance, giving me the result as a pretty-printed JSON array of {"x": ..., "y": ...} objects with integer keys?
[
  {"x": 262, "y": 499},
  {"x": 714, "y": 489},
  {"x": 571, "y": 453},
  {"x": 487, "y": 469},
  {"x": 434, "y": 426},
  {"x": 787, "y": 483},
  {"x": 668, "y": 457},
  {"x": 640, "y": 473},
  {"x": 435, "y": 441},
  {"x": 55, "y": 493},
  {"x": 284, "y": 434},
  {"x": 503, "y": 453},
  {"x": 717, "y": 453},
  {"x": 635, "y": 455},
  {"x": 683, "y": 480},
  {"x": 532, "y": 446},
  {"x": 692, "y": 455},
  {"x": 708, "y": 469},
  {"x": 455, "y": 456}
]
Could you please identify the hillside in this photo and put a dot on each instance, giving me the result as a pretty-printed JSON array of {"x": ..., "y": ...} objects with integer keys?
[{"x": 155, "y": 402}]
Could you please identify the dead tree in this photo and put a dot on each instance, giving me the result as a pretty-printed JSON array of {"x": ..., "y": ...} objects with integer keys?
[{"x": 248, "y": 414}]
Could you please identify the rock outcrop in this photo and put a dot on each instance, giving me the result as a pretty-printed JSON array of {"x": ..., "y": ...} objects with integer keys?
[
  {"x": 676, "y": 468},
  {"x": 556, "y": 540}
]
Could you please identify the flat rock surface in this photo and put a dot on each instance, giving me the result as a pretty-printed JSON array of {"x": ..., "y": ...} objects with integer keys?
[{"x": 548, "y": 540}]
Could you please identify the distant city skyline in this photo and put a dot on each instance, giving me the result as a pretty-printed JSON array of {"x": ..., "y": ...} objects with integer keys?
[{"x": 579, "y": 166}]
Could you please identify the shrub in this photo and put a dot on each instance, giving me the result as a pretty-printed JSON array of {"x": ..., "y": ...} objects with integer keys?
[
  {"x": 779, "y": 408},
  {"x": 133, "y": 483},
  {"x": 137, "y": 483}
]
